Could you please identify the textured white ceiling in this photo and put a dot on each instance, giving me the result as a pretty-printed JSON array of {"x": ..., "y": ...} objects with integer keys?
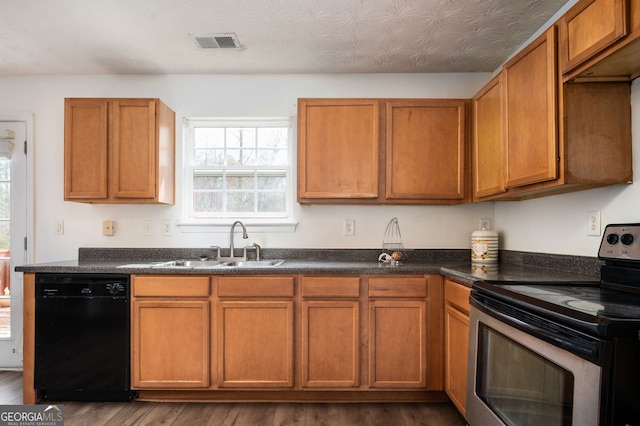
[{"x": 278, "y": 36}]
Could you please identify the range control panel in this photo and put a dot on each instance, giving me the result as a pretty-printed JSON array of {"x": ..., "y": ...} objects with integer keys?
[{"x": 621, "y": 242}]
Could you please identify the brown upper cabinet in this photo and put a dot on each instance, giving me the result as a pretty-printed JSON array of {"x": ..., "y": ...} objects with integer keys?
[
  {"x": 487, "y": 149},
  {"x": 119, "y": 151},
  {"x": 530, "y": 94},
  {"x": 338, "y": 149},
  {"x": 588, "y": 28},
  {"x": 425, "y": 150},
  {"x": 600, "y": 40},
  {"x": 556, "y": 137},
  {"x": 382, "y": 151}
]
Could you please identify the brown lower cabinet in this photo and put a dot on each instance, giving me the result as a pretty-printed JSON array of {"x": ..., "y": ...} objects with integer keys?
[
  {"x": 371, "y": 338},
  {"x": 397, "y": 331},
  {"x": 254, "y": 332},
  {"x": 456, "y": 341},
  {"x": 330, "y": 317},
  {"x": 170, "y": 332}
]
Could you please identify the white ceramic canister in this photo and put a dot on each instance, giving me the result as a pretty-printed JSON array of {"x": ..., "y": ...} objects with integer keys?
[{"x": 484, "y": 246}]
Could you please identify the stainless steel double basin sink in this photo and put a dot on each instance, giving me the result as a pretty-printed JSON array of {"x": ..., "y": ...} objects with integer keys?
[{"x": 208, "y": 264}]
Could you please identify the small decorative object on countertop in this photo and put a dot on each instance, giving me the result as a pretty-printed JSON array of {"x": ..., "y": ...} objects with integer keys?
[
  {"x": 484, "y": 246},
  {"x": 392, "y": 245}
]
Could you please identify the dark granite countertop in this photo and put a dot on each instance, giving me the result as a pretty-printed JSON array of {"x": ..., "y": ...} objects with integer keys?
[{"x": 454, "y": 264}]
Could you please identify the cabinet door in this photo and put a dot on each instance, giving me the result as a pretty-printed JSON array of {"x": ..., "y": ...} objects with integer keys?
[
  {"x": 134, "y": 154},
  {"x": 338, "y": 149},
  {"x": 330, "y": 343},
  {"x": 255, "y": 344},
  {"x": 170, "y": 344},
  {"x": 531, "y": 135},
  {"x": 456, "y": 342},
  {"x": 589, "y": 27},
  {"x": 85, "y": 149},
  {"x": 425, "y": 149},
  {"x": 488, "y": 163},
  {"x": 397, "y": 344}
]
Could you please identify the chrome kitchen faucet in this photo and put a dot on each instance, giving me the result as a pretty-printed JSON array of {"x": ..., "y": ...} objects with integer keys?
[{"x": 244, "y": 236}]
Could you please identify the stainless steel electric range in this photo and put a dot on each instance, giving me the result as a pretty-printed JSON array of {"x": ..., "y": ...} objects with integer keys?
[{"x": 559, "y": 353}]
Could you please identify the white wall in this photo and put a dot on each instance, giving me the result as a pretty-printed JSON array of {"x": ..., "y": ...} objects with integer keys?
[
  {"x": 224, "y": 96},
  {"x": 558, "y": 224}
]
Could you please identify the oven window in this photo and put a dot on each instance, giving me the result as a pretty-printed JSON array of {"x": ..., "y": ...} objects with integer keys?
[{"x": 520, "y": 386}]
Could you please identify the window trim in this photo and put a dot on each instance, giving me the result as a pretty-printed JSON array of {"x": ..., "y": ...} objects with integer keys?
[{"x": 221, "y": 223}]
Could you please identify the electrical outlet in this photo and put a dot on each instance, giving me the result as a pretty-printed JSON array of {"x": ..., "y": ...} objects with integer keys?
[
  {"x": 108, "y": 228},
  {"x": 485, "y": 223},
  {"x": 349, "y": 228},
  {"x": 593, "y": 222},
  {"x": 147, "y": 228},
  {"x": 167, "y": 228},
  {"x": 58, "y": 227}
]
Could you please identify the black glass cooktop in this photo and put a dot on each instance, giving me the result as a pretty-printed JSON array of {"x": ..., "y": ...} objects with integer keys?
[
  {"x": 604, "y": 311},
  {"x": 594, "y": 301}
]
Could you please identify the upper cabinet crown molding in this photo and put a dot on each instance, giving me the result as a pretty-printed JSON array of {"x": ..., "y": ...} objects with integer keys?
[
  {"x": 119, "y": 151},
  {"x": 382, "y": 151}
]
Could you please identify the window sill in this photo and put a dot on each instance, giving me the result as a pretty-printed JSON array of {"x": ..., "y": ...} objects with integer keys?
[{"x": 223, "y": 227}]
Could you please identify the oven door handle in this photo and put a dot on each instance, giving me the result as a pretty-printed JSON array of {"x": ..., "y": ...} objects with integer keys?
[{"x": 586, "y": 347}]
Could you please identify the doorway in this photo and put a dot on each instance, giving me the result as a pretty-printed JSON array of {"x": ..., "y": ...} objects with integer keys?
[{"x": 15, "y": 201}]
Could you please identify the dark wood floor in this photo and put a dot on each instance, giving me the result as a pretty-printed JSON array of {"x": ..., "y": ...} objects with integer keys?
[{"x": 222, "y": 414}]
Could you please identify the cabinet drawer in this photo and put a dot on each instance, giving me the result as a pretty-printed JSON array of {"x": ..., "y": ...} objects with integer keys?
[
  {"x": 457, "y": 295},
  {"x": 330, "y": 286},
  {"x": 256, "y": 286},
  {"x": 398, "y": 287},
  {"x": 163, "y": 286}
]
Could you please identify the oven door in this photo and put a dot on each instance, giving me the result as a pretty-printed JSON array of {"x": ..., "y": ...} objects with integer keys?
[{"x": 515, "y": 378}]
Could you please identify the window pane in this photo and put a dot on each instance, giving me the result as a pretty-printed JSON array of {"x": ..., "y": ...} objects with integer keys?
[
  {"x": 271, "y": 201},
  {"x": 5, "y": 200},
  {"x": 241, "y": 157},
  {"x": 208, "y": 157},
  {"x": 243, "y": 137},
  {"x": 242, "y": 202},
  {"x": 273, "y": 137},
  {"x": 207, "y": 182},
  {"x": 272, "y": 146},
  {"x": 5, "y": 235},
  {"x": 272, "y": 182},
  {"x": 234, "y": 181},
  {"x": 207, "y": 202},
  {"x": 5, "y": 169}
]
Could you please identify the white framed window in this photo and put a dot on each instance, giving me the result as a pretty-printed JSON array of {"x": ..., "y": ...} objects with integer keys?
[{"x": 238, "y": 169}]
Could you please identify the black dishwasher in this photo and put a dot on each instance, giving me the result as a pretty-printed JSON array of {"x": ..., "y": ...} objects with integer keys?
[{"x": 82, "y": 337}]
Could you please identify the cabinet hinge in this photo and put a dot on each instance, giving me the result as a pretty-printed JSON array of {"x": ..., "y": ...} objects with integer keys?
[
  {"x": 25, "y": 147},
  {"x": 25, "y": 243}
]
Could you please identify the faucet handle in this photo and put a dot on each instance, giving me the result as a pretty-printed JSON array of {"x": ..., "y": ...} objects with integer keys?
[
  {"x": 217, "y": 251},
  {"x": 253, "y": 246}
]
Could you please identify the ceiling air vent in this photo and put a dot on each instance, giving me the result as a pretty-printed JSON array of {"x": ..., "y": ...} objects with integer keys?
[{"x": 217, "y": 41}]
